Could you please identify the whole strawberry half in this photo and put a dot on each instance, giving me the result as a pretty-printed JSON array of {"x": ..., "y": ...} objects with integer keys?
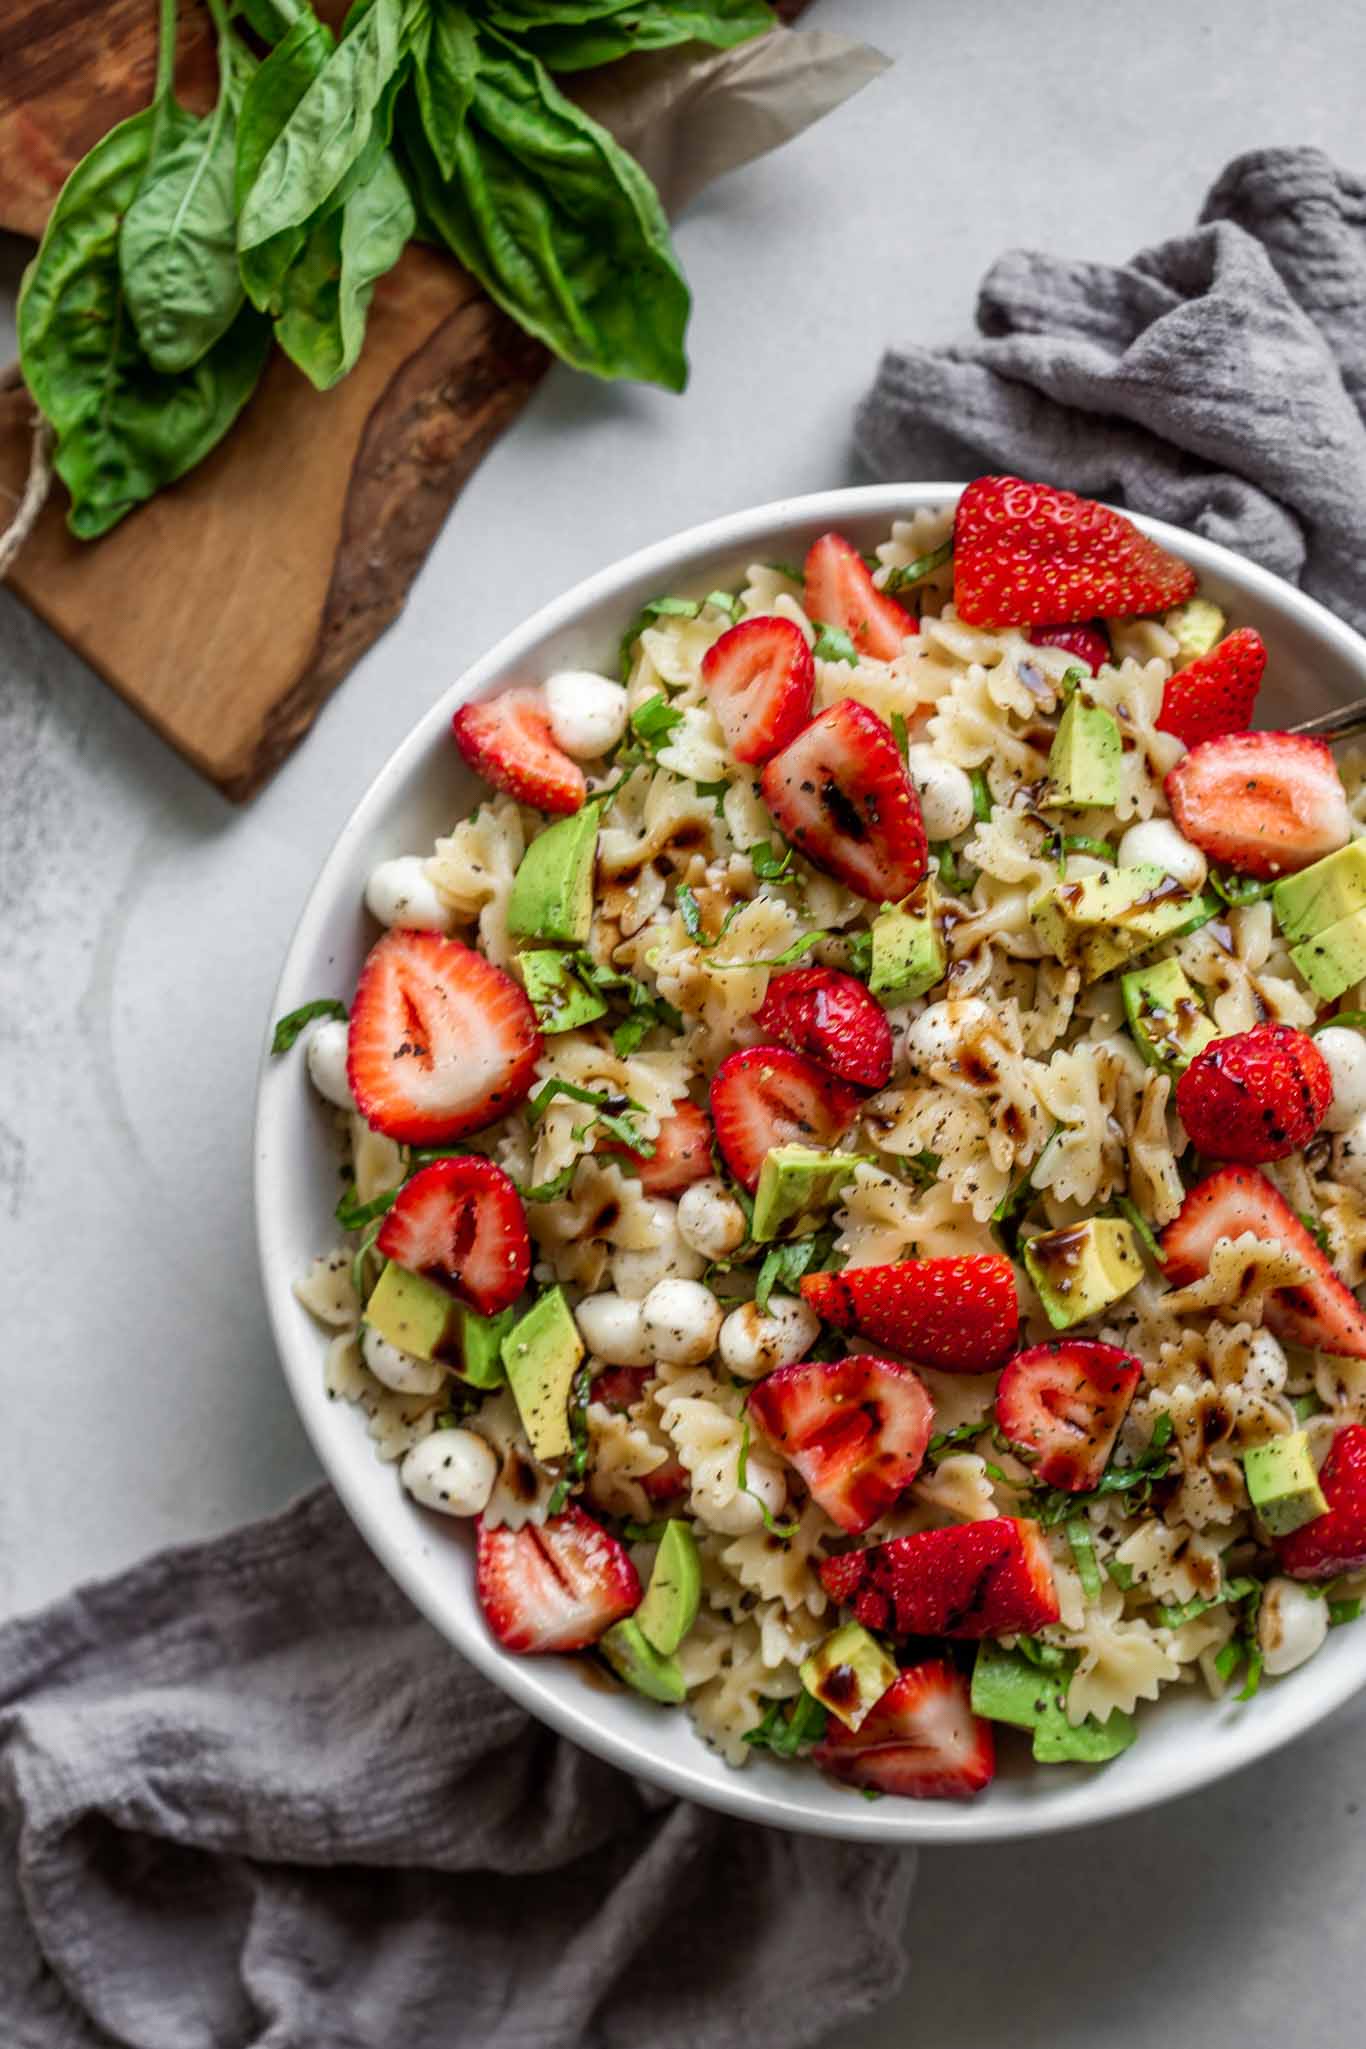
[
  {"x": 1264, "y": 804},
  {"x": 842, "y": 795},
  {"x": 461, "y": 1224},
  {"x": 839, "y": 591},
  {"x": 959, "y": 1315},
  {"x": 987, "y": 1578},
  {"x": 553, "y": 1586},
  {"x": 1215, "y": 694},
  {"x": 1063, "y": 1403},
  {"x": 766, "y": 1096},
  {"x": 509, "y": 743},
  {"x": 1320, "y": 1313},
  {"x": 1256, "y": 1095},
  {"x": 922, "y": 1741},
  {"x": 856, "y": 1430},
  {"x": 1025, "y": 553},
  {"x": 1335, "y": 1542},
  {"x": 682, "y": 1152},
  {"x": 1090, "y": 644},
  {"x": 831, "y": 1016},
  {"x": 440, "y": 1040},
  {"x": 760, "y": 676}
]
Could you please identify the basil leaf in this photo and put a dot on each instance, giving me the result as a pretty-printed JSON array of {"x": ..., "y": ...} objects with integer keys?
[
  {"x": 577, "y": 1465},
  {"x": 785, "y": 1263},
  {"x": 444, "y": 80},
  {"x": 945, "y": 1442},
  {"x": 981, "y": 795},
  {"x": 1134, "y": 1482},
  {"x": 1141, "y": 1228},
  {"x": 325, "y": 295},
  {"x": 289, "y": 1027},
  {"x": 690, "y": 911},
  {"x": 1238, "y": 889},
  {"x": 272, "y": 97},
  {"x": 551, "y": 1191},
  {"x": 653, "y": 721},
  {"x": 271, "y": 19},
  {"x": 771, "y": 1524},
  {"x": 832, "y": 644},
  {"x": 1083, "y": 1551},
  {"x": 772, "y": 960},
  {"x": 900, "y": 735},
  {"x": 789, "y": 1726},
  {"x": 1082, "y": 843},
  {"x": 573, "y": 38},
  {"x": 768, "y": 866},
  {"x": 912, "y": 573},
  {"x": 354, "y": 1216}
]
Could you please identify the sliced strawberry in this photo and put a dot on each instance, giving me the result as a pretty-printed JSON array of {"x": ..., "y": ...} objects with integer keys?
[
  {"x": 507, "y": 740},
  {"x": 553, "y": 1586},
  {"x": 831, "y": 1016},
  {"x": 767, "y": 1096},
  {"x": 1215, "y": 695},
  {"x": 1090, "y": 644},
  {"x": 922, "y": 1740},
  {"x": 461, "y": 1224},
  {"x": 840, "y": 592},
  {"x": 1321, "y": 1314},
  {"x": 1063, "y": 1402},
  {"x": 682, "y": 1152},
  {"x": 842, "y": 795},
  {"x": 617, "y": 1387},
  {"x": 666, "y": 1482},
  {"x": 988, "y": 1578},
  {"x": 959, "y": 1315},
  {"x": 441, "y": 1041},
  {"x": 855, "y": 1429},
  {"x": 1335, "y": 1542},
  {"x": 1026, "y": 552},
  {"x": 1256, "y": 1095},
  {"x": 760, "y": 677},
  {"x": 1262, "y": 803}
]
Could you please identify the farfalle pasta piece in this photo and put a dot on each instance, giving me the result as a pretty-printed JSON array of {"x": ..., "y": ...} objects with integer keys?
[{"x": 472, "y": 870}]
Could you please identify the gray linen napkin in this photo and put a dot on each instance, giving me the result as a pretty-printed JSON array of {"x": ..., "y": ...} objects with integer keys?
[
  {"x": 1217, "y": 380},
  {"x": 249, "y": 1797}
]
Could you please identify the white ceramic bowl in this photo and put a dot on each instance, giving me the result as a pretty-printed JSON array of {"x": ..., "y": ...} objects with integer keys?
[{"x": 1185, "y": 1741}]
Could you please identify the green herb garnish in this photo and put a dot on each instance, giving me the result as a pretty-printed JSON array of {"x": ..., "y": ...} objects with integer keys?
[
  {"x": 576, "y": 1466},
  {"x": 1083, "y": 1551},
  {"x": 911, "y": 573},
  {"x": 789, "y": 1726},
  {"x": 785, "y": 1263},
  {"x": 354, "y": 1216},
  {"x": 1238, "y": 889},
  {"x": 832, "y": 644},
  {"x": 653, "y": 721},
  {"x": 774, "y": 1528},
  {"x": 981, "y": 795},
  {"x": 1133, "y": 1482},
  {"x": 767, "y": 865},
  {"x": 289, "y": 1028}
]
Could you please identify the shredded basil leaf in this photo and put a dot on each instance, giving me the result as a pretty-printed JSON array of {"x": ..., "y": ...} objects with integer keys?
[
  {"x": 1134, "y": 1482},
  {"x": 1081, "y": 843},
  {"x": 289, "y": 1028},
  {"x": 653, "y": 721},
  {"x": 768, "y": 866},
  {"x": 832, "y": 644},
  {"x": 774, "y": 1528},
  {"x": 785, "y": 1263},
  {"x": 1083, "y": 1552},
  {"x": 945, "y": 1442},
  {"x": 911, "y": 573},
  {"x": 1356, "y": 1019},
  {"x": 789, "y": 1726},
  {"x": 690, "y": 911},
  {"x": 1233, "y": 1590},
  {"x": 1142, "y": 1229},
  {"x": 899, "y": 734},
  {"x": 772, "y": 960},
  {"x": 551, "y": 1191},
  {"x": 1238, "y": 889},
  {"x": 354, "y": 1216},
  {"x": 981, "y": 795},
  {"x": 577, "y": 1464}
]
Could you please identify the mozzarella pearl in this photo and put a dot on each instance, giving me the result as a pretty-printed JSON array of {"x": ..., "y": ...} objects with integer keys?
[
  {"x": 1291, "y": 1625},
  {"x": 945, "y": 792},
  {"x": 587, "y": 712},
  {"x": 611, "y": 1328},
  {"x": 754, "y": 1341},
  {"x": 745, "y": 1512},
  {"x": 452, "y": 1471},
  {"x": 710, "y": 1220},
  {"x": 1157, "y": 840},
  {"x": 399, "y": 892},
  {"x": 325, "y": 1052},
  {"x": 402, "y": 1371},
  {"x": 634, "y": 1273},
  {"x": 680, "y": 1320},
  {"x": 1345, "y": 1052},
  {"x": 940, "y": 1030}
]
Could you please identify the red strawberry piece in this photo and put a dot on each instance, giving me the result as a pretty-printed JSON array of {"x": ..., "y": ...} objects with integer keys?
[
  {"x": 1064, "y": 1402},
  {"x": 1215, "y": 694},
  {"x": 1025, "y": 552},
  {"x": 855, "y": 1429},
  {"x": 666, "y": 1482},
  {"x": 441, "y": 1041},
  {"x": 1335, "y": 1542},
  {"x": 959, "y": 1315},
  {"x": 1321, "y": 1314},
  {"x": 555, "y": 1586},
  {"x": 507, "y": 740},
  {"x": 461, "y": 1224},
  {"x": 842, "y": 795},
  {"x": 767, "y": 1096},
  {"x": 1256, "y": 1095},
  {"x": 760, "y": 676},
  {"x": 921, "y": 1741},
  {"x": 840, "y": 592},
  {"x": 986, "y": 1578},
  {"x": 682, "y": 1152},
  {"x": 1090, "y": 644},
  {"x": 616, "y": 1387},
  {"x": 1262, "y": 803},
  {"x": 832, "y": 1017}
]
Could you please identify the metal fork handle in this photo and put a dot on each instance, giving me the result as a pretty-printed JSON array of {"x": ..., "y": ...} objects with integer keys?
[{"x": 1343, "y": 724}]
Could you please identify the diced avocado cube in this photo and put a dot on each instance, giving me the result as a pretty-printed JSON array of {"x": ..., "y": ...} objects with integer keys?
[
  {"x": 552, "y": 891},
  {"x": 909, "y": 955},
  {"x": 1335, "y": 958},
  {"x": 1057, "y": 1741},
  {"x": 1083, "y": 1268},
  {"x": 634, "y": 1658},
  {"x": 1198, "y": 626},
  {"x": 848, "y": 1672},
  {"x": 796, "y": 1180},
  {"x": 1167, "y": 1019},
  {"x": 1282, "y": 1484},
  {"x": 1084, "y": 760},
  {"x": 414, "y": 1314},
  {"x": 541, "y": 1355},
  {"x": 481, "y": 1347},
  {"x": 669, "y": 1608},
  {"x": 1008, "y": 1688},
  {"x": 1094, "y": 922},
  {"x": 1332, "y": 889},
  {"x": 560, "y": 1000}
]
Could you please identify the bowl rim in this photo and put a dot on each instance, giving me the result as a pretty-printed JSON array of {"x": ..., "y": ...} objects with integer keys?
[{"x": 531, "y": 1682}]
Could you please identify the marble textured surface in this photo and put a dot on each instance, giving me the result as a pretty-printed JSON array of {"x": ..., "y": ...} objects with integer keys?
[{"x": 143, "y": 921}]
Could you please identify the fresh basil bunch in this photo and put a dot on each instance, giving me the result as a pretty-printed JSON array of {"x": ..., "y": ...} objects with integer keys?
[{"x": 182, "y": 246}]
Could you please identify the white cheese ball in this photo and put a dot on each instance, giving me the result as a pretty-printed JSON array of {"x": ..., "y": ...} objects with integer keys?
[
  {"x": 945, "y": 792},
  {"x": 1291, "y": 1625},
  {"x": 1349, "y": 1156},
  {"x": 710, "y": 1220},
  {"x": 755, "y": 1341},
  {"x": 745, "y": 1512},
  {"x": 1345, "y": 1052},
  {"x": 452, "y": 1471},
  {"x": 325, "y": 1052},
  {"x": 941, "y": 1029},
  {"x": 680, "y": 1320},
  {"x": 1157, "y": 841},
  {"x": 611, "y": 1328},
  {"x": 404, "y": 1372},
  {"x": 400, "y": 892},
  {"x": 587, "y": 712},
  {"x": 634, "y": 1273}
]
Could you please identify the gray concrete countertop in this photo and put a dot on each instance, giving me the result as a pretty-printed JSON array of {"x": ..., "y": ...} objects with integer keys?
[{"x": 144, "y": 920}]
